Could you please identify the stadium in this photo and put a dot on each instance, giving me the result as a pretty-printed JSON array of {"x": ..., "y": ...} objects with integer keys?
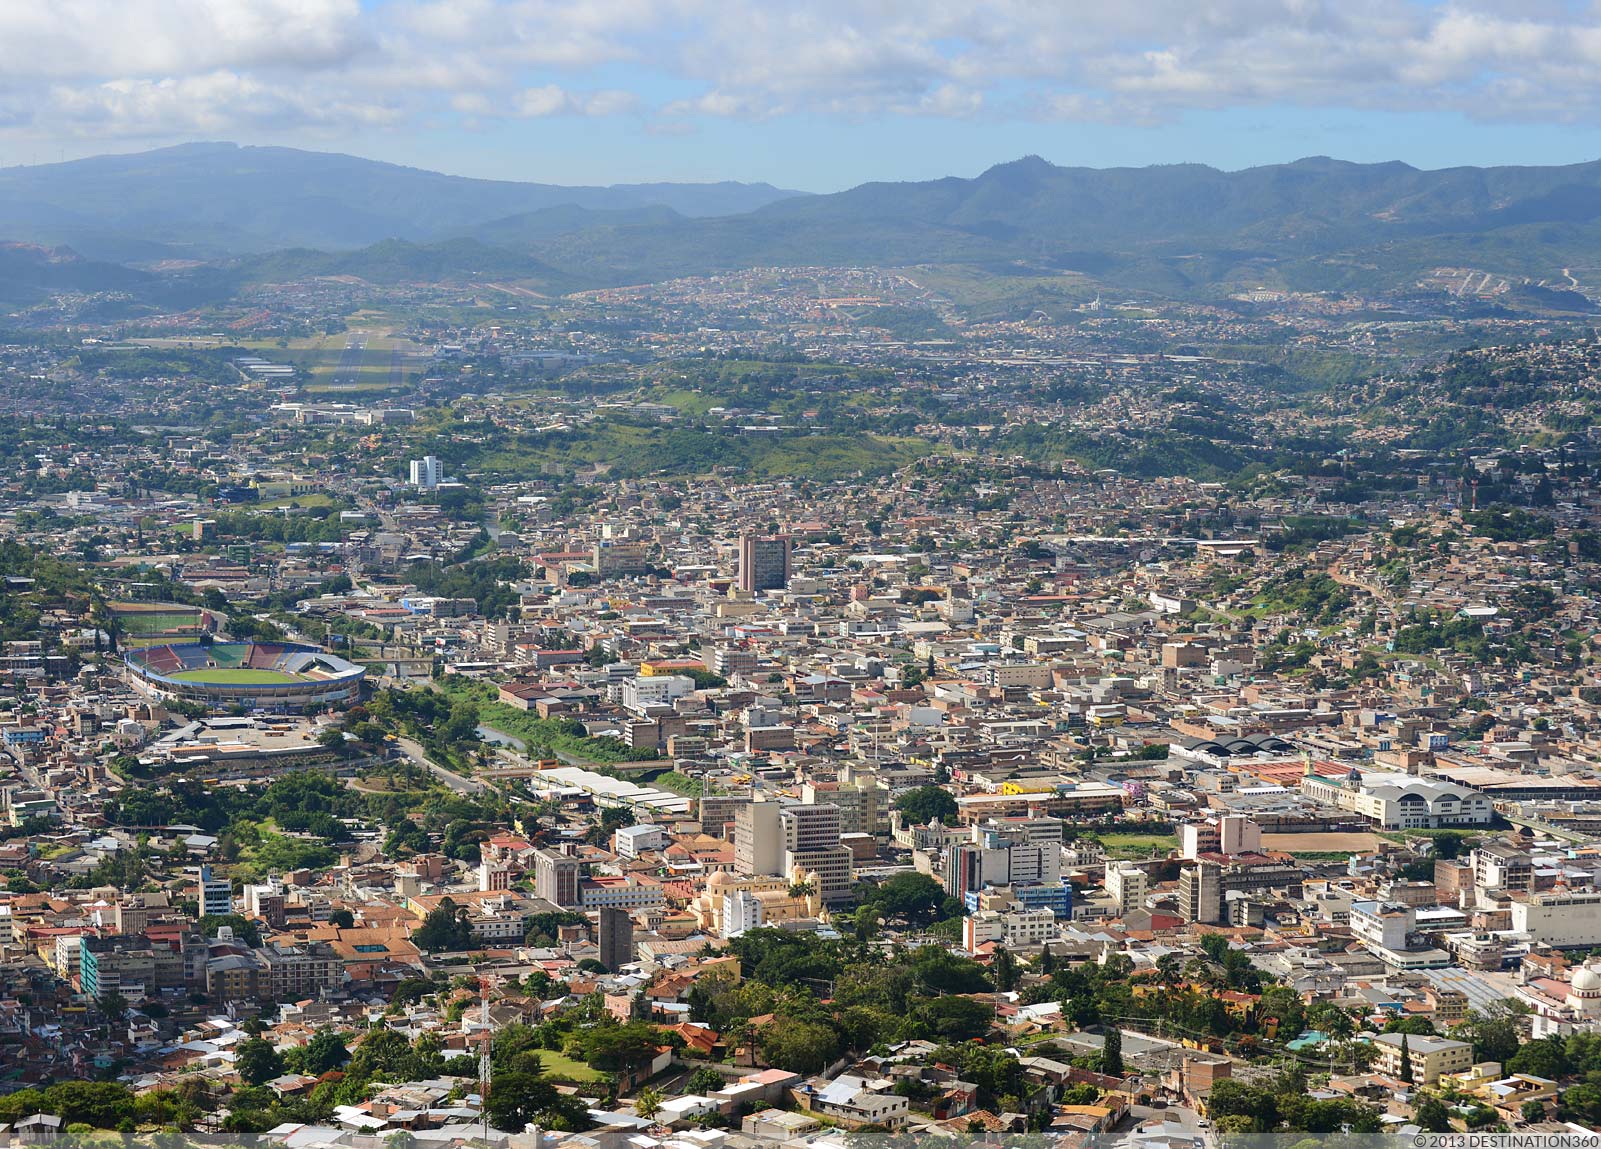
[{"x": 254, "y": 675}]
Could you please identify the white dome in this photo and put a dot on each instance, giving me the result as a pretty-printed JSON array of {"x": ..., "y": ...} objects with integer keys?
[{"x": 1586, "y": 979}]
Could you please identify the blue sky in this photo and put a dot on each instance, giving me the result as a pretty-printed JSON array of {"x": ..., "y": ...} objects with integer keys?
[{"x": 814, "y": 95}]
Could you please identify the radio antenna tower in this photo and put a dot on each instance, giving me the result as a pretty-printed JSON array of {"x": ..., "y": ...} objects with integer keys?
[{"x": 485, "y": 1067}]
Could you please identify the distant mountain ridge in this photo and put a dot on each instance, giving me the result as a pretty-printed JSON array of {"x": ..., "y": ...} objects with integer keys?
[
  {"x": 216, "y": 199},
  {"x": 1316, "y": 223},
  {"x": 28, "y": 272},
  {"x": 1176, "y": 231}
]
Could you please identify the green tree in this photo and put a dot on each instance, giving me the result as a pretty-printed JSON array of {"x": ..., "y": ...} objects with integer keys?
[
  {"x": 325, "y": 1051},
  {"x": 648, "y": 1102},
  {"x": 1003, "y": 969},
  {"x": 620, "y": 1048},
  {"x": 446, "y": 927},
  {"x": 257, "y": 1062},
  {"x": 1112, "y": 1052},
  {"x": 704, "y": 1080},
  {"x": 948, "y": 1019},
  {"x": 1547, "y": 1057},
  {"x": 926, "y": 804},
  {"x": 518, "y": 1099},
  {"x": 800, "y": 1046},
  {"x": 1405, "y": 1071},
  {"x": 916, "y": 899},
  {"x": 1432, "y": 1115}
]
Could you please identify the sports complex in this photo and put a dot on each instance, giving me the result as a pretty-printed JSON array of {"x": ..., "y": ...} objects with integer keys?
[{"x": 254, "y": 675}]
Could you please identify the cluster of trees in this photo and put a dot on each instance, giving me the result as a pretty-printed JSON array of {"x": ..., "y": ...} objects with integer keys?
[
  {"x": 314, "y": 524},
  {"x": 1283, "y": 1102},
  {"x": 346, "y": 1077},
  {"x": 1179, "y": 999},
  {"x": 1302, "y": 530},
  {"x": 1314, "y": 596},
  {"x": 913, "y": 899},
  {"x": 446, "y": 927},
  {"x": 102, "y": 1104},
  {"x": 542, "y": 736},
  {"x": 314, "y": 814},
  {"x": 1503, "y": 524},
  {"x": 1428, "y": 633},
  {"x": 925, "y": 804},
  {"x": 486, "y": 580},
  {"x": 827, "y": 998},
  {"x": 57, "y": 581}
]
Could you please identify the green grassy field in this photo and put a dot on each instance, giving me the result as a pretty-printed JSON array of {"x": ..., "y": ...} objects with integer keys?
[
  {"x": 1136, "y": 847},
  {"x": 559, "y": 1067},
  {"x": 234, "y": 676},
  {"x": 145, "y": 622}
]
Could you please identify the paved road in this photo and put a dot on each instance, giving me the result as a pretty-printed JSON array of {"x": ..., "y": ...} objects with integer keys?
[{"x": 450, "y": 778}]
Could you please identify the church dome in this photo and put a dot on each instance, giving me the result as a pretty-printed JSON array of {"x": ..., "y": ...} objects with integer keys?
[{"x": 1586, "y": 979}]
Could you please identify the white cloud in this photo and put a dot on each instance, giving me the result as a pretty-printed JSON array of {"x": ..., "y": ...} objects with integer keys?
[
  {"x": 552, "y": 100},
  {"x": 197, "y": 105},
  {"x": 168, "y": 68},
  {"x": 122, "y": 39}
]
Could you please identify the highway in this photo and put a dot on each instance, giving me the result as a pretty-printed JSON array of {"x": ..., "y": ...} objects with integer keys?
[{"x": 450, "y": 778}]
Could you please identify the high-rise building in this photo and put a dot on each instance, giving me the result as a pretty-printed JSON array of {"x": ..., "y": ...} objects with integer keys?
[
  {"x": 811, "y": 827},
  {"x": 616, "y": 938},
  {"x": 764, "y": 562},
  {"x": 214, "y": 896},
  {"x": 427, "y": 472},
  {"x": 857, "y": 801},
  {"x": 716, "y": 811},
  {"x": 1023, "y": 855},
  {"x": 812, "y": 846},
  {"x": 1126, "y": 885},
  {"x": 291, "y": 972},
  {"x": 556, "y": 878},
  {"x": 758, "y": 839},
  {"x": 1201, "y": 892}
]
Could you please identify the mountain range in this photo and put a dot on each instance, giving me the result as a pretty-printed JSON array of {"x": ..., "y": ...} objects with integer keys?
[
  {"x": 210, "y": 199},
  {"x": 1178, "y": 231}
]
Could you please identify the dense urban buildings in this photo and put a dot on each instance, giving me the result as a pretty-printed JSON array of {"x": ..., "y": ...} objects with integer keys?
[{"x": 816, "y": 700}]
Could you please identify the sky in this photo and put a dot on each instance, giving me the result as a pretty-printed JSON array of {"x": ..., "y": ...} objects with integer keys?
[{"x": 815, "y": 95}]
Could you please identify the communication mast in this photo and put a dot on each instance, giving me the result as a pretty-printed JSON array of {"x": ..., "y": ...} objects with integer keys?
[{"x": 485, "y": 1066}]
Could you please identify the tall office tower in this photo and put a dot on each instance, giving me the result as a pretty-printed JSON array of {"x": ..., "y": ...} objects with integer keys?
[
  {"x": 1201, "y": 892},
  {"x": 213, "y": 895},
  {"x": 556, "y": 878},
  {"x": 1127, "y": 886},
  {"x": 616, "y": 938},
  {"x": 758, "y": 839},
  {"x": 427, "y": 472},
  {"x": 812, "y": 846},
  {"x": 764, "y": 562}
]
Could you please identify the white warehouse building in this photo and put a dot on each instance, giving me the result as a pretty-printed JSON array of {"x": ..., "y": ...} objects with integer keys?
[
  {"x": 1563, "y": 920},
  {"x": 1400, "y": 801}
]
